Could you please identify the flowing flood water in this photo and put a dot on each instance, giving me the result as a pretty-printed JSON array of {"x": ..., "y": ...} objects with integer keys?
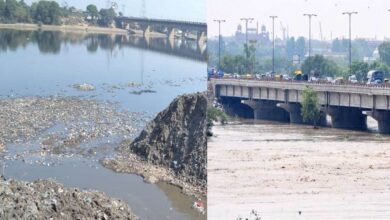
[
  {"x": 135, "y": 76},
  {"x": 283, "y": 171}
]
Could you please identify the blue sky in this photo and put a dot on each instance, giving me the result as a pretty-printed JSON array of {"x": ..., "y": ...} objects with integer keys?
[
  {"x": 188, "y": 10},
  {"x": 371, "y": 22}
]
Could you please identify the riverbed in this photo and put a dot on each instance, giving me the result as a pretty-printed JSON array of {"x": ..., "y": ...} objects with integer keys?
[
  {"x": 61, "y": 132},
  {"x": 283, "y": 171}
]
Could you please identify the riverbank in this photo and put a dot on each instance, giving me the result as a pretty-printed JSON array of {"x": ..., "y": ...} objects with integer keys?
[
  {"x": 127, "y": 162},
  {"x": 283, "y": 171},
  {"x": 172, "y": 148},
  {"x": 44, "y": 199},
  {"x": 65, "y": 28}
]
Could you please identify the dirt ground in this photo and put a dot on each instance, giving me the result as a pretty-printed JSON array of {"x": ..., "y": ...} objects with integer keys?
[{"x": 295, "y": 172}]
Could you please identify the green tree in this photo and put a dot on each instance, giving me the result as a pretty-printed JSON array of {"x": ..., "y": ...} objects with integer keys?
[
  {"x": 2, "y": 9},
  {"x": 250, "y": 55},
  {"x": 48, "y": 12},
  {"x": 384, "y": 52},
  {"x": 360, "y": 69},
  {"x": 319, "y": 66},
  {"x": 106, "y": 17},
  {"x": 93, "y": 12},
  {"x": 22, "y": 13},
  {"x": 233, "y": 64},
  {"x": 310, "y": 106},
  {"x": 10, "y": 9},
  {"x": 215, "y": 115}
]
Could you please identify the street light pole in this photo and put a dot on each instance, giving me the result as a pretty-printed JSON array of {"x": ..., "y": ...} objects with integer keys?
[
  {"x": 219, "y": 41},
  {"x": 310, "y": 15},
  {"x": 273, "y": 42},
  {"x": 350, "y": 38},
  {"x": 246, "y": 28}
]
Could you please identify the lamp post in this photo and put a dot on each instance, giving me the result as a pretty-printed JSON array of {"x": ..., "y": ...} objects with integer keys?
[
  {"x": 219, "y": 41},
  {"x": 273, "y": 42},
  {"x": 246, "y": 28},
  {"x": 310, "y": 15},
  {"x": 350, "y": 38},
  {"x": 246, "y": 36}
]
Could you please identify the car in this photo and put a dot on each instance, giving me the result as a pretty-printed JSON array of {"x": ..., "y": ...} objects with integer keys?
[
  {"x": 286, "y": 77},
  {"x": 352, "y": 79},
  {"x": 314, "y": 79}
]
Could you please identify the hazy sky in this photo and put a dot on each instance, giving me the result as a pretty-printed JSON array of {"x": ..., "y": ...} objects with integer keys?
[
  {"x": 372, "y": 20},
  {"x": 188, "y": 10}
]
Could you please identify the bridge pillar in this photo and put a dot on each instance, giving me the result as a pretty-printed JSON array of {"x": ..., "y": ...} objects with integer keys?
[
  {"x": 171, "y": 33},
  {"x": 347, "y": 118},
  {"x": 146, "y": 30},
  {"x": 234, "y": 107},
  {"x": 201, "y": 38},
  {"x": 383, "y": 118},
  {"x": 183, "y": 34},
  {"x": 294, "y": 109},
  {"x": 267, "y": 110}
]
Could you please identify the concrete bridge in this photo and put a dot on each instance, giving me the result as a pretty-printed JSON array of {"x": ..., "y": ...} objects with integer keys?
[
  {"x": 164, "y": 28},
  {"x": 347, "y": 105}
]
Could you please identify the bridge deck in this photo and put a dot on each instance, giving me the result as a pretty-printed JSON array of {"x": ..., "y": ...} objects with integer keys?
[{"x": 298, "y": 85}]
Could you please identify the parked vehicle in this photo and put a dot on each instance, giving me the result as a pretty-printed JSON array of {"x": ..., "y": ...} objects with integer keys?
[
  {"x": 375, "y": 77},
  {"x": 286, "y": 77},
  {"x": 214, "y": 72},
  {"x": 338, "y": 80},
  {"x": 352, "y": 79}
]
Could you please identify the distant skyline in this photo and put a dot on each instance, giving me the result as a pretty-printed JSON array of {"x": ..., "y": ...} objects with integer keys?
[
  {"x": 188, "y": 10},
  {"x": 371, "y": 22}
]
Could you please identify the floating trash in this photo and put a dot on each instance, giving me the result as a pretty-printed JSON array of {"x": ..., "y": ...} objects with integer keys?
[
  {"x": 142, "y": 91},
  {"x": 84, "y": 87},
  {"x": 134, "y": 84},
  {"x": 200, "y": 207}
]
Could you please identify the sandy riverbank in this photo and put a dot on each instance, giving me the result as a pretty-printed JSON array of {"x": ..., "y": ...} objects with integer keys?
[
  {"x": 65, "y": 28},
  {"x": 295, "y": 172}
]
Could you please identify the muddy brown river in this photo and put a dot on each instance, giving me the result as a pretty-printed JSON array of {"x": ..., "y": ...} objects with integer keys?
[{"x": 282, "y": 171}]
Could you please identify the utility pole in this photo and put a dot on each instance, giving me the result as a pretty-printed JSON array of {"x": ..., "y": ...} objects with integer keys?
[
  {"x": 273, "y": 42},
  {"x": 350, "y": 38},
  {"x": 219, "y": 41},
  {"x": 246, "y": 28},
  {"x": 246, "y": 36},
  {"x": 310, "y": 15}
]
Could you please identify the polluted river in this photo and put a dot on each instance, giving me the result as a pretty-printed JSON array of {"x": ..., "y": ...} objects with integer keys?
[
  {"x": 268, "y": 170},
  {"x": 67, "y": 100}
]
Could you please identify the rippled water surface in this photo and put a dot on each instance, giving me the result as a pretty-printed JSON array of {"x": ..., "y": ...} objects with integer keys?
[{"x": 283, "y": 171}]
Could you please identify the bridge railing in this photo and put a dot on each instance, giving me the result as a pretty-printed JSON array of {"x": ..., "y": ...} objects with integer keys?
[
  {"x": 162, "y": 20},
  {"x": 292, "y": 81}
]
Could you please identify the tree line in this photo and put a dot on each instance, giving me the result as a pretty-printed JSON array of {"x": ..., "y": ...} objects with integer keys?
[
  {"x": 251, "y": 60},
  {"x": 51, "y": 13}
]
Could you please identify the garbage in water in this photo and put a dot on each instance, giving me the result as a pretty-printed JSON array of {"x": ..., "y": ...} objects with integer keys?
[
  {"x": 199, "y": 206},
  {"x": 84, "y": 87}
]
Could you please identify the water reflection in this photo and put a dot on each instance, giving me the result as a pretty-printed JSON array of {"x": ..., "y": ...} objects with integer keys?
[{"x": 52, "y": 41}]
